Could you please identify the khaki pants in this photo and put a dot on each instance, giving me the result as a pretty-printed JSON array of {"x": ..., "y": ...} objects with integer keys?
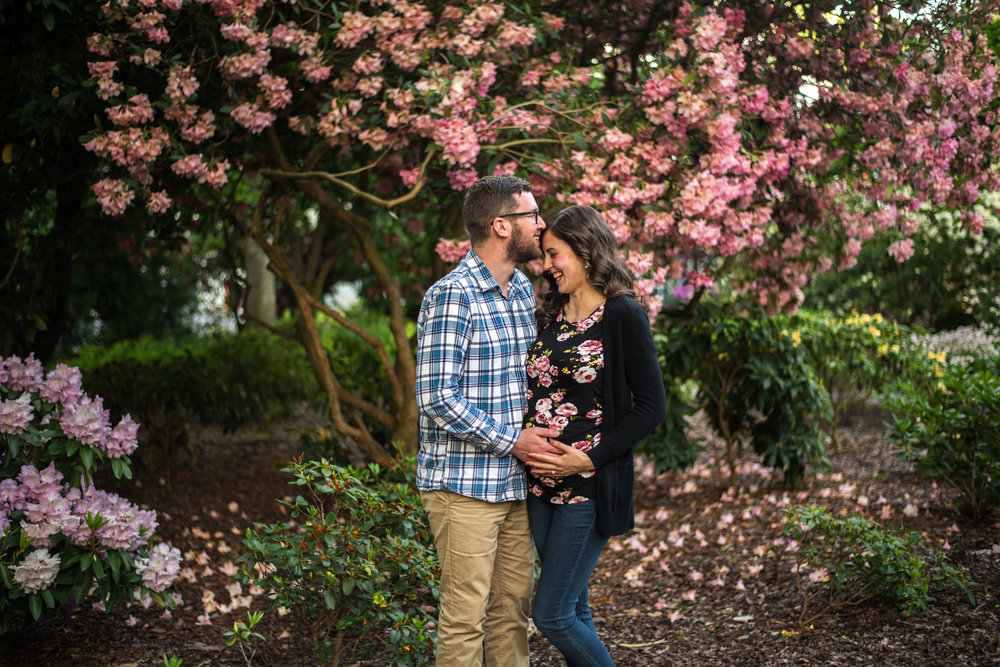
[{"x": 487, "y": 574}]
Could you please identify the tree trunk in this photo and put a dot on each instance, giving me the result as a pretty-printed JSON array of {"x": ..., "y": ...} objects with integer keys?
[{"x": 261, "y": 302}]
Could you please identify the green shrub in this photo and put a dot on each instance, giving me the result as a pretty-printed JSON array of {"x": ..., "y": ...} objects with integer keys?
[
  {"x": 852, "y": 357},
  {"x": 755, "y": 384},
  {"x": 223, "y": 379},
  {"x": 848, "y": 561},
  {"x": 668, "y": 446},
  {"x": 948, "y": 426},
  {"x": 356, "y": 554},
  {"x": 948, "y": 282}
]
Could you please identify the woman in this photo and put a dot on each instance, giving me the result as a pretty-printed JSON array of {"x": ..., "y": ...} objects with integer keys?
[{"x": 593, "y": 375}]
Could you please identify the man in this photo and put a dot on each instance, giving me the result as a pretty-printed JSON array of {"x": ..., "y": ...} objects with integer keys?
[{"x": 473, "y": 333}]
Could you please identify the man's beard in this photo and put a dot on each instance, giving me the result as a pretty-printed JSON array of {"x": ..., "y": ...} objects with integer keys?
[{"x": 522, "y": 248}]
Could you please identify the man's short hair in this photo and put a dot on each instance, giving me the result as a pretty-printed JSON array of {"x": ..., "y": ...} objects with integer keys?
[{"x": 486, "y": 199}]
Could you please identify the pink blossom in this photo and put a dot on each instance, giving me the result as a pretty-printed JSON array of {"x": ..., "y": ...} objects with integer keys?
[
  {"x": 354, "y": 27},
  {"x": 181, "y": 83},
  {"x": 190, "y": 165},
  {"x": 160, "y": 569},
  {"x": 16, "y": 414},
  {"x": 86, "y": 421},
  {"x": 452, "y": 251},
  {"x": 409, "y": 176},
  {"x": 459, "y": 141},
  {"x": 252, "y": 117},
  {"x": 314, "y": 69},
  {"x": 215, "y": 173},
  {"x": 63, "y": 384},
  {"x": 276, "y": 91},
  {"x": 462, "y": 179},
  {"x": 901, "y": 250},
  {"x": 245, "y": 65},
  {"x": 113, "y": 195}
]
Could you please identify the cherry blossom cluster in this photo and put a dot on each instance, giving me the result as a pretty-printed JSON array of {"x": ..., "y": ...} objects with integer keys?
[{"x": 755, "y": 150}]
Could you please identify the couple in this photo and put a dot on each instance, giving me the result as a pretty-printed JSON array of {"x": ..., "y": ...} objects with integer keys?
[{"x": 511, "y": 409}]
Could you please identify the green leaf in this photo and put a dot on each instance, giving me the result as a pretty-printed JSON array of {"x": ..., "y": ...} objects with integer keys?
[
  {"x": 35, "y": 606},
  {"x": 348, "y": 586}
]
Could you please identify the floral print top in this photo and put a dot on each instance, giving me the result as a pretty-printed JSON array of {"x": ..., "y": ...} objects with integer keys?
[{"x": 565, "y": 372}]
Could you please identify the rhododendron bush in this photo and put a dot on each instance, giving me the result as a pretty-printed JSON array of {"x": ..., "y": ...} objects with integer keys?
[
  {"x": 61, "y": 538},
  {"x": 726, "y": 143}
]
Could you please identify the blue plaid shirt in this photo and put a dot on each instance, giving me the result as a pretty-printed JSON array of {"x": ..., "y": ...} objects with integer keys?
[{"x": 471, "y": 382}]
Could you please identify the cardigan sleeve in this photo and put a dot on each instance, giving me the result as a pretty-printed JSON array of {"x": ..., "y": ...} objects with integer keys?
[{"x": 643, "y": 396}]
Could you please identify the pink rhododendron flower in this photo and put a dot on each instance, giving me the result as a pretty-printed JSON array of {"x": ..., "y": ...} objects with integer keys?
[
  {"x": 86, "y": 421},
  {"x": 113, "y": 195},
  {"x": 901, "y": 250},
  {"x": 158, "y": 202},
  {"x": 63, "y": 384},
  {"x": 160, "y": 570},
  {"x": 18, "y": 375},
  {"x": 189, "y": 165},
  {"x": 16, "y": 414},
  {"x": 452, "y": 251}
]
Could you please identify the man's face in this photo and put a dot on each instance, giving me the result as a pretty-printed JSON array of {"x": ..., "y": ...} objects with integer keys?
[{"x": 522, "y": 245}]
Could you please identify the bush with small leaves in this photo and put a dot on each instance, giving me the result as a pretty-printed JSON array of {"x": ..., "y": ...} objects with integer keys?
[
  {"x": 852, "y": 356},
  {"x": 355, "y": 554},
  {"x": 754, "y": 384},
  {"x": 948, "y": 426},
  {"x": 843, "y": 562},
  {"x": 223, "y": 379}
]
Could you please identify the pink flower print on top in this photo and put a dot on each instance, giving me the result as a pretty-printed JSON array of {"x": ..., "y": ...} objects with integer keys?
[
  {"x": 559, "y": 422},
  {"x": 567, "y": 410},
  {"x": 585, "y": 374},
  {"x": 590, "y": 348}
]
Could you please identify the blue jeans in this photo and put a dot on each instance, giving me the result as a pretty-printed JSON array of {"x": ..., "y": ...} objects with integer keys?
[{"x": 568, "y": 545}]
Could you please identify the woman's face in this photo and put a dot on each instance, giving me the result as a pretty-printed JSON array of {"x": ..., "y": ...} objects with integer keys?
[{"x": 563, "y": 264}]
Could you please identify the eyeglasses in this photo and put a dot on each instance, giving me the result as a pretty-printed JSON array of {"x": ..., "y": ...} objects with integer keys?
[{"x": 520, "y": 215}]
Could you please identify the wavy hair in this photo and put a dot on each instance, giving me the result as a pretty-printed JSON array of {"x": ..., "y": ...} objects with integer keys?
[{"x": 587, "y": 234}]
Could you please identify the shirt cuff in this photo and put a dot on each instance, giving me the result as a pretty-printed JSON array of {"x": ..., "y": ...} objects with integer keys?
[{"x": 504, "y": 440}]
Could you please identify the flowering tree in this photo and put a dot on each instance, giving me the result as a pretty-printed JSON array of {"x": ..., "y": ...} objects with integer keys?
[
  {"x": 749, "y": 143},
  {"x": 60, "y": 537}
]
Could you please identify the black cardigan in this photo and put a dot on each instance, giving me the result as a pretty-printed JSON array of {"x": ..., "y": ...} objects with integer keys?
[{"x": 633, "y": 404}]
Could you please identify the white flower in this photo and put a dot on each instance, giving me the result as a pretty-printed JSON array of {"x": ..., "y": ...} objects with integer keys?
[{"x": 37, "y": 571}]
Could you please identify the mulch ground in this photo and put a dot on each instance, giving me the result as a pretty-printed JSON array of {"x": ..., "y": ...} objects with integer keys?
[{"x": 705, "y": 579}]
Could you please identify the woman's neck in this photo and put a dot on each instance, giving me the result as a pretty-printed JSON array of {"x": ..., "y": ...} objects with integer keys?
[{"x": 582, "y": 303}]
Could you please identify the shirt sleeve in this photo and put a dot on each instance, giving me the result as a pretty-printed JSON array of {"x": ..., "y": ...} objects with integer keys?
[{"x": 444, "y": 337}]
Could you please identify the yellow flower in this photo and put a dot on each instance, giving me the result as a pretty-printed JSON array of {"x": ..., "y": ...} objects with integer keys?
[
  {"x": 874, "y": 332},
  {"x": 882, "y": 349},
  {"x": 796, "y": 338}
]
